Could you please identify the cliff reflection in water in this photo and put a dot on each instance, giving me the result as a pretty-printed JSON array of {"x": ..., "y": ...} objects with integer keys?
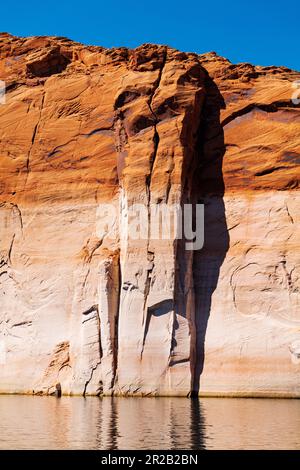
[{"x": 148, "y": 423}]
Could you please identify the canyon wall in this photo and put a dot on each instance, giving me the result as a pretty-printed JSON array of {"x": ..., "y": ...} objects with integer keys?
[{"x": 85, "y": 307}]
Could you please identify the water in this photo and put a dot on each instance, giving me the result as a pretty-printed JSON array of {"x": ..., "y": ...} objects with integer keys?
[{"x": 148, "y": 423}]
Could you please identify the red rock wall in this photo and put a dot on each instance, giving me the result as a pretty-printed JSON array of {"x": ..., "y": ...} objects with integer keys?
[{"x": 99, "y": 312}]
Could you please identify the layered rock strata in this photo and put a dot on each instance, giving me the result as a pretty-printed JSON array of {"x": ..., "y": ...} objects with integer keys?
[{"x": 88, "y": 307}]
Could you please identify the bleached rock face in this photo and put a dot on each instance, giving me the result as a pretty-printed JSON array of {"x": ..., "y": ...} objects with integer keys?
[{"x": 85, "y": 305}]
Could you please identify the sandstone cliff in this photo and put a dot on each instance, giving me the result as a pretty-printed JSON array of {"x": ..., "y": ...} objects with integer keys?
[{"x": 100, "y": 313}]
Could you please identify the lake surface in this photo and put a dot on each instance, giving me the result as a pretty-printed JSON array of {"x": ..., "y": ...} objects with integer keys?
[{"x": 148, "y": 423}]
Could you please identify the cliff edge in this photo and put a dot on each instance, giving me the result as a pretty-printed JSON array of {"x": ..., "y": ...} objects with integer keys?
[{"x": 87, "y": 309}]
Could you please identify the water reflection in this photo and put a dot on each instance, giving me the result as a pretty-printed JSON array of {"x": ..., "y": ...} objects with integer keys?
[{"x": 148, "y": 423}]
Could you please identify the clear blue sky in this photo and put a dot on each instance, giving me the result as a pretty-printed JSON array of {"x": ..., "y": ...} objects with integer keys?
[{"x": 262, "y": 32}]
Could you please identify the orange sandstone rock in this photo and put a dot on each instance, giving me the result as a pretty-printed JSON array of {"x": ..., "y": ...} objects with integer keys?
[{"x": 97, "y": 313}]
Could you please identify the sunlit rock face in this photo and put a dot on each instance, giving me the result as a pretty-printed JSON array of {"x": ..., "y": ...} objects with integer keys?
[{"x": 85, "y": 307}]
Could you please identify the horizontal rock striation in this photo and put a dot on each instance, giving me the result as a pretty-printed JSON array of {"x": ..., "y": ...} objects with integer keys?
[{"x": 87, "y": 309}]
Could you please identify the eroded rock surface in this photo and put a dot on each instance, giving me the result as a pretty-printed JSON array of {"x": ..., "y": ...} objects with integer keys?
[{"x": 100, "y": 313}]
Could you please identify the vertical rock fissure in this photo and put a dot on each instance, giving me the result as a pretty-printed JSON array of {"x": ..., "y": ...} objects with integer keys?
[
  {"x": 116, "y": 329},
  {"x": 93, "y": 369},
  {"x": 146, "y": 311},
  {"x": 208, "y": 187},
  {"x": 34, "y": 134},
  {"x": 121, "y": 141},
  {"x": 184, "y": 291},
  {"x": 11, "y": 248},
  {"x": 95, "y": 309},
  {"x": 150, "y": 255},
  {"x": 156, "y": 120}
]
